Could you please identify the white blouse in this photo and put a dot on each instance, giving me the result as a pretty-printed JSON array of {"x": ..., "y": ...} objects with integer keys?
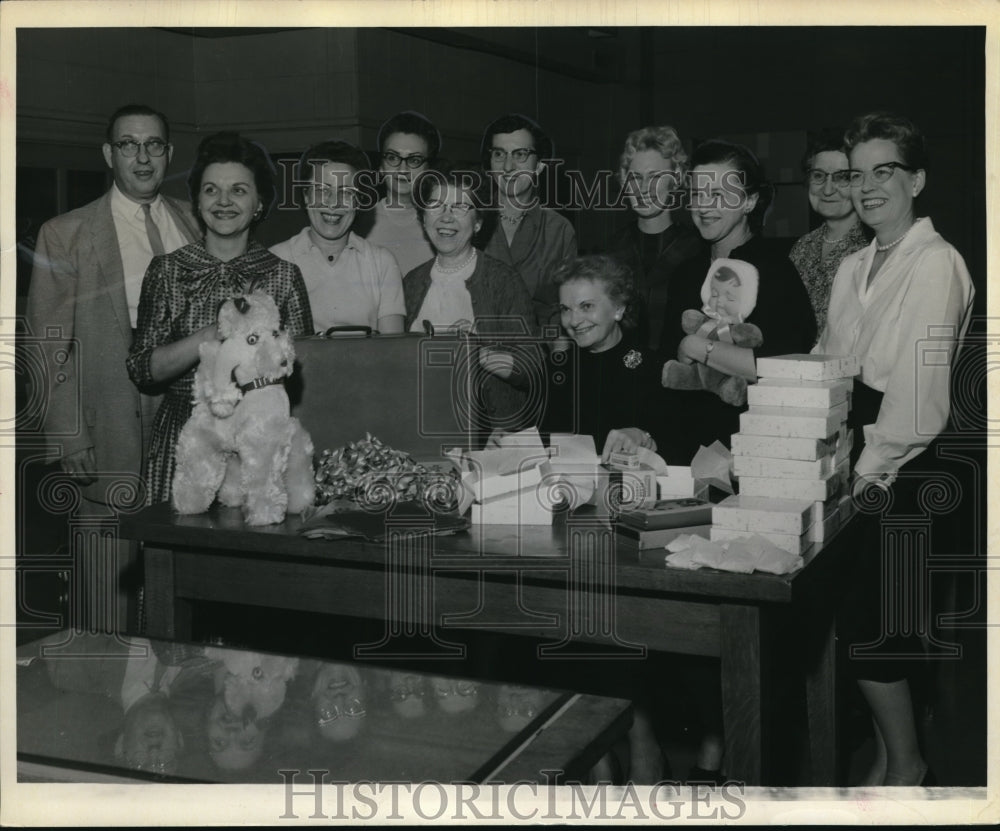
[{"x": 905, "y": 330}]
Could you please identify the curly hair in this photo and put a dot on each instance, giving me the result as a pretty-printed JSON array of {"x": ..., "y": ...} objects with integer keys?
[
  {"x": 664, "y": 140},
  {"x": 616, "y": 278},
  {"x": 895, "y": 128},
  {"x": 228, "y": 146},
  {"x": 719, "y": 151},
  {"x": 480, "y": 188}
]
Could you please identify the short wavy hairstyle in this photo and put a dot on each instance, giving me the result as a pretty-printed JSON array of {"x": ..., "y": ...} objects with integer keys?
[
  {"x": 480, "y": 188},
  {"x": 228, "y": 146},
  {"x": 613, "y": 274},
  {"x": 411, "y": 123},
  {"x": 664, "y": 140},
  {"x": 895, "y": 128},
  {"x": 824, "y": 141},
  {"x": 135, "y": 109},
  {"x": 742, "y": 158},
  {"x": 511, "y": 123}
]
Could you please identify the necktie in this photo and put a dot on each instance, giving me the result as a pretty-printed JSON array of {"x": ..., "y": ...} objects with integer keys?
[{"x": 155, "y": 240}]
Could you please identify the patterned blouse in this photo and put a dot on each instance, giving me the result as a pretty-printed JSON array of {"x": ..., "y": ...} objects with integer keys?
[
  {"x": 818, "y": 272},
  {"x": 181, "y": 293}
]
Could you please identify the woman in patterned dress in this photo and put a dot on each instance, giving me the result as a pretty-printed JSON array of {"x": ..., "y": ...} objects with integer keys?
[
  {"x": 232, "y": 188},
  {"x": 818, "y": 254}
]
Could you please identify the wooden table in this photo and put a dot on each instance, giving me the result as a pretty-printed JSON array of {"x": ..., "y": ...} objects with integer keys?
[{"x": 567, "y": 583}]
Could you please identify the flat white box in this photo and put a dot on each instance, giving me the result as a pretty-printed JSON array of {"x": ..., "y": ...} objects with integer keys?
[
  {"x": 794, "y": 543},
  {"x": 775, "y": 392},
  {"x": 758, "y": 513},
  {"x": 680, "y": 483},
  {"x": 490, "y": 487},
  {"x": 774, "y": 447},
  {"x": 782, "y": 468},
  {"x": 809, "y": 367},
  {"x": 821, "y": 531},
  {"x": 814, "y": 490},
  {"x": 793, "y": 422},
  {"x": 522, "y": 508}
]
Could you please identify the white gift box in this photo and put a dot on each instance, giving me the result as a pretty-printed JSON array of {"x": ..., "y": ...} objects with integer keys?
[
  {"x": 809, "y": 367},
  {"x": 758, "y": 513},
  {"x": 783, "y": 468},
  {"x": 776, "y": 447},
  {"x": 793, "y": 422},
  {"x": 521, "y": 508},
  {"x": 775, "y": 392},
  {"x": 814, "y": 490}
]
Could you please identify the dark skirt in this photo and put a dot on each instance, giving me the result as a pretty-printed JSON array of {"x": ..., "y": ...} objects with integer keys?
[{"x": 886, "y": 606}]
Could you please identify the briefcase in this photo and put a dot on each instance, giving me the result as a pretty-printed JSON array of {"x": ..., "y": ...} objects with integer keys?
[{"x": 413, "y": 392}]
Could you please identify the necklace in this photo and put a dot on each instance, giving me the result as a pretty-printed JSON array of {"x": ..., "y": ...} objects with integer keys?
[
  {"x": 511, "y": 220},
  {"x": 445, "y": 269},
  {"x": 829, "y": 241},
  {"x": 894, "y": 243}
]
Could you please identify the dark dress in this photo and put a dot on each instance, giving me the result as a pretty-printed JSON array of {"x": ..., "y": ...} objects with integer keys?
[
  {"x": 654, "y": 259},
  {"x": 592, "y": 393},
  {"x": 181, "y": 293},
  {"x": 503, "y": 311},
  {"x": 784, "y": 315}
]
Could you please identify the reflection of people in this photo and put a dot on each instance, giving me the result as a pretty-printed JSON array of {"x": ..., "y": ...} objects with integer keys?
[
  {"x": 531, "y": 239},
  {"x": 83, "y": 296},
  {"x": 517, "y": 706},
  {"x": 406, "y": 692},
  {"x": 729, "y": 199},
  {"x": 232, "y": 187},
  {"x": 351, "y": 282},
  {"x": 908, "y": 286},
  {"x": 455, "y": 695},
  {"x": 407, "y": 144},
  {"x": 150, "y": 740},
  {"x": 615, "y": 393},
  {"x": 657, "y": 239},
  {"x": 233, "y": 744},
  {"x": 818, "y": 254},
  {"x": 339, "y": 701}
]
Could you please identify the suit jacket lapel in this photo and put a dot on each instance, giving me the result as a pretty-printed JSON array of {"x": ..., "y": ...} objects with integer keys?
[{"x": 109, "y": 258}]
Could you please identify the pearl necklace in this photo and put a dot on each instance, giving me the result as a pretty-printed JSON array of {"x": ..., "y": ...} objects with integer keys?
[
  {"x": 894, "y": 243},
  {"x": 829, "y": 241},
  {"x": 444, "y": 269},
  {"x": 511, "y": 220}
]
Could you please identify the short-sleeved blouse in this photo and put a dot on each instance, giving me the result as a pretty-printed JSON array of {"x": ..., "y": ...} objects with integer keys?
[{"x": 181, "y": 293}]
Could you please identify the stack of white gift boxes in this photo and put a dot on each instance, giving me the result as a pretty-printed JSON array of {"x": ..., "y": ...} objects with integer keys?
[{"x": 792, "y": 454}]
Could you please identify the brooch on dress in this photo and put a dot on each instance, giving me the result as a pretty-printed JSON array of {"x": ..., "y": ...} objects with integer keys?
[{"x": 632, "y": 358}]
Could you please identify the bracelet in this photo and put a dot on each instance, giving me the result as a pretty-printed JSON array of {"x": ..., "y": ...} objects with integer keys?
[{"x": 708, "y": 350}]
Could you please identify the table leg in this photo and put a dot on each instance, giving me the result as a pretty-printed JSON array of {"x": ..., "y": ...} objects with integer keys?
[
  {"x": 821, "y": 706},
  {"x": 743, "y": 657},
  {"x": 166, "y": 615}
]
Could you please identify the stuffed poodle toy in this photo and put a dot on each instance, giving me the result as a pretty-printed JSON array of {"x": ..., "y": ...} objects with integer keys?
[
  {"x": 241, "y": 442},
  {"x": 253, "y": 685},
  {"x": 729, "y": 295}
]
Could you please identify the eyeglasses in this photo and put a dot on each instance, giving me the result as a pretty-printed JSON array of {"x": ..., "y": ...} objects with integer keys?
[
  {"x": 317, "y": 195},
  {"x": 353, "y": 709},
  {"x": 880, "y": 173},
  {"x": 393, "y": 159},
  {"x": 817, "y": 178},
  {"x": 457, "y": 209},
  {"x": 520, "y": 155},
  {"x": 130, "y": 147}
]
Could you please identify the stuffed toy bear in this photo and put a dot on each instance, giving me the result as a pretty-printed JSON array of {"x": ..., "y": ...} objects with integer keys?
[
  {"x": 241, "y": 442},
  {"x": 729, "y": 295}
]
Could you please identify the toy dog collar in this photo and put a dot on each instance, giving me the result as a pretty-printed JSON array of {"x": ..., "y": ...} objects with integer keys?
[{"x": 258, "y": 383}]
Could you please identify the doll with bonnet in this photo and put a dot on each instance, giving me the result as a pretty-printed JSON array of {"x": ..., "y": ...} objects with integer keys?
[{"x": 729, "y": 296}]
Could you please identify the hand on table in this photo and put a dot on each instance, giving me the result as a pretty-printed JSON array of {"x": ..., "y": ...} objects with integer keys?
[{"x": 626, "y": 440}]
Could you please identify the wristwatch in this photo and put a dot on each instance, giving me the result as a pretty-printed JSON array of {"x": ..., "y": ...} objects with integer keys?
[{"x": 708, "y": 350}]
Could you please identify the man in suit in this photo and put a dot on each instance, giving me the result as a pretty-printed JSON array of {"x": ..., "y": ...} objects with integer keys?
[{"x": 83, "y": 297}]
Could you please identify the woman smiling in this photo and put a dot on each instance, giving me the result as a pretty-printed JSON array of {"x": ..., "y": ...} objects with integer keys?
[
  {"x": 465, "y": 288},
  {"x": 232, "y": 187}
]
